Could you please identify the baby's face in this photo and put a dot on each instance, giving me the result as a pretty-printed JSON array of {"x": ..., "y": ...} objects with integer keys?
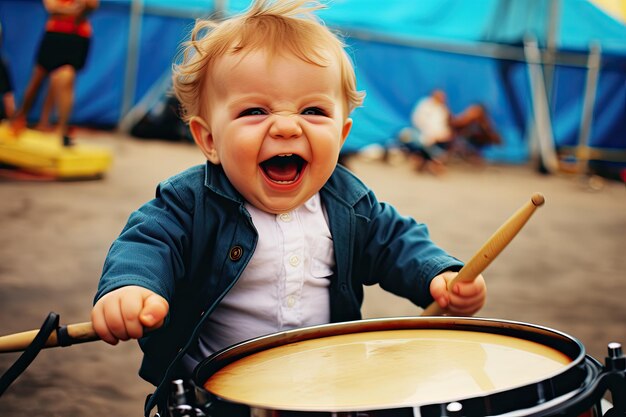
[{"x": 275, "y": 126}]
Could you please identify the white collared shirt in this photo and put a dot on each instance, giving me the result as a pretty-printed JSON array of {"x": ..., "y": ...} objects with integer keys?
[{"x": 285, "y": 284}]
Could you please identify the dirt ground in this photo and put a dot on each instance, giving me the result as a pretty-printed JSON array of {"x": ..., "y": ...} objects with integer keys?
[{"x": 565, "y": 270}]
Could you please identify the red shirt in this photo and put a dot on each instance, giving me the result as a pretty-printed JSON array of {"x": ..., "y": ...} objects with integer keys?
[{"x": 69, "y": 24}]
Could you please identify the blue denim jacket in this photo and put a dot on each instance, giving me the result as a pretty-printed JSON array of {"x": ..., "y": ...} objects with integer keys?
[{"x": 191, "y": 243}]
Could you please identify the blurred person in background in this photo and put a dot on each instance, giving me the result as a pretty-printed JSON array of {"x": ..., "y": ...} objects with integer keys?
[
  {"x": 436, "y": 133},
  {"x": 62, "y": 53},
  {"x": 48, "y": 108}
]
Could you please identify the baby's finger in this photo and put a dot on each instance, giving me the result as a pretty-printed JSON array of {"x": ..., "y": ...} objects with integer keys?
[
  {"x": 466, "y": 305},
  {"x": 439, "y": 292},
  {"x": 130, "y": 308},
  {"x": 100, "y": 326},
  {"x": 154, "y": 310},
  {"x": 115, "y": 319},
  {"x": 469, "y": 289}
]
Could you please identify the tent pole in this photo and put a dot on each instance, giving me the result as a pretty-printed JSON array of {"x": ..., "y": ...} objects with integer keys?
[
  {"x": 132, "y": 57},
  {"x": 550, "y": 51},
  {"x": 540, "y": 108},
  {"x": 591, "y": 86},
  {"x": 134, "y": 115},
  {"x": 482, "y": 49}
]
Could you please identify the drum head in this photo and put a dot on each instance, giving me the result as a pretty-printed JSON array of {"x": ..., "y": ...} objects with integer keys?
[{"x": 392, "y": 363}]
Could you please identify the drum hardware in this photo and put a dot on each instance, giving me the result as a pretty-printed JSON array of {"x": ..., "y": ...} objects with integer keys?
[
  {"x": 615, "y": 359},
  {"x": 181, "y": 403},
  {"x": 615, "y": 365},
  {"x": 454, "y": 409}
]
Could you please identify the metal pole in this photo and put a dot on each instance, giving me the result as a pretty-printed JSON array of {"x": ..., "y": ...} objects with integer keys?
[
  {"x": 550, "y": 52},
  {"x": 541, "y": 108},
  {"x": 591, "y": 86},
  {"x": 132, "y": 56}
]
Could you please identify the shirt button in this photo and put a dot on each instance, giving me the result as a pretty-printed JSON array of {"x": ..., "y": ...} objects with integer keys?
[
  {"x": 291, "y": 301},
  {"x": 294, "y": 260},
  {"x": 236, "y": 252},
  {"x": 286, "y": 217}
]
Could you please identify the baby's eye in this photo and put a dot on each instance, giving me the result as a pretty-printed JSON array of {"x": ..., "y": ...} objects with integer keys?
[
  {"x": 313, "y": 111},
  {"x": 254, "y": 111}
]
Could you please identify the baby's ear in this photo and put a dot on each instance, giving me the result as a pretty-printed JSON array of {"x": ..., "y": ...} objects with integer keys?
[
  {"x": 345, "y": 131},
  {"x": 204, "y": 139}
]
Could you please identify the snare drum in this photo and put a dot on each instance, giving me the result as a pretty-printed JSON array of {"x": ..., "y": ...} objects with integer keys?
[{"x": 409, "y": 366}]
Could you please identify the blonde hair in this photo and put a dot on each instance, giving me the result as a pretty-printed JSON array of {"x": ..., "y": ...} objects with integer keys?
[{"x": 275, "y": 26}]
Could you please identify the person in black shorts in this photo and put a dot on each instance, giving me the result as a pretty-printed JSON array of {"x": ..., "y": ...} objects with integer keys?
[{"x": 62, "y": 53}]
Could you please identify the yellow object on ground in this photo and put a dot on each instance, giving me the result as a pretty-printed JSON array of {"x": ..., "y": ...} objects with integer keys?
[{"x": 43, "y": 153}]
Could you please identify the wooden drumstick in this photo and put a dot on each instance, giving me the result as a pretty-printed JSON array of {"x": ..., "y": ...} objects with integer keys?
[
  {"x": 76, "y": 333},
  {"x": 492, "y": 248}
]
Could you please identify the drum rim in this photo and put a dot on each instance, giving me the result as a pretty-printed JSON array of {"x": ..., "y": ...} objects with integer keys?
[{"x": 563, "y": 342}]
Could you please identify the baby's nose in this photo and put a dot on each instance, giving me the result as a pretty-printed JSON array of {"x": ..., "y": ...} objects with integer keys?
[{"x": 285, "y": 126}]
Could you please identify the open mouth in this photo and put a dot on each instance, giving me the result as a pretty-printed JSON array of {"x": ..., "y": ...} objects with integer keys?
[{"x": 283, "y": 169}]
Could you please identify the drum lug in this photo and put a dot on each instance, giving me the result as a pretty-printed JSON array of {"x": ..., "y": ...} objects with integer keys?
[
  {"x": 454, "y": 409},
  {"x": 615, "y": 359},
  {"x": 180, "y": 404},
  {"x": 615, "y": 367}
]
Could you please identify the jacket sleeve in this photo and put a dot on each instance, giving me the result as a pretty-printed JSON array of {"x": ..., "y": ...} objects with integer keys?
[
  {"x": 397, "y": 252},
  {"x": 151, "y": 248}
]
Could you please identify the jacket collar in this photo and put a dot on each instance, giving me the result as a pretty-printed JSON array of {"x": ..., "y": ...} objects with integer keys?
[
  {"x": 215, "y": 179},
  {"x": 344, "y": 186}
]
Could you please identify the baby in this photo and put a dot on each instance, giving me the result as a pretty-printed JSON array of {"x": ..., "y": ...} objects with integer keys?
[{"x": 270, "y": 234}]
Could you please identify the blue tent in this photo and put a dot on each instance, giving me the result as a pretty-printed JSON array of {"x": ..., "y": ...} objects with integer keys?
[{"x": 476, "y": 51}]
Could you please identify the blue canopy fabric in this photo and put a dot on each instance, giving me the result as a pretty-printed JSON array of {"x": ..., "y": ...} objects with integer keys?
[{"x": 401, "y": 50}]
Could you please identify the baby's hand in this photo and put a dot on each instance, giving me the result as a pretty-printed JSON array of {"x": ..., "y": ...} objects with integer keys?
[
  {"x": 122, "y": 314},
  {"x": 464, "y": 299}
]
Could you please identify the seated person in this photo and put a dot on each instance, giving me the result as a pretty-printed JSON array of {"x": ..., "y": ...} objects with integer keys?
[{"x": 436, "y": 132}]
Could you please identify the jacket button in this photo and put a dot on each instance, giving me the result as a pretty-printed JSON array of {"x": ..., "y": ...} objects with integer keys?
[{"x": 236, "y": 252}]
